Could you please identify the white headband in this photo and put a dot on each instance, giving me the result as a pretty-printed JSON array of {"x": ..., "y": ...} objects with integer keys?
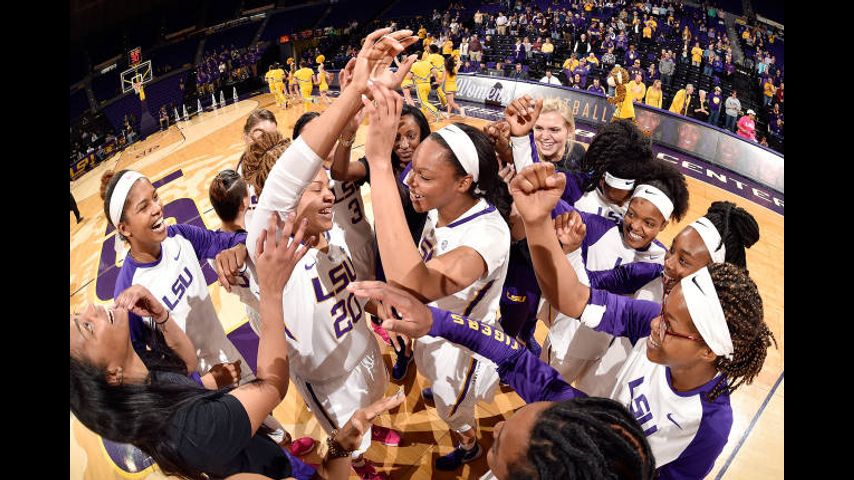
[
  {"x": 706, "y": 312},
  {"x": 463, "y": 148},
  {"x": 120, "y": 194},
  {"x": 711, "y": 237},
  {"x": 657, "y": 197},
  {"x": 619, "y": 183}
]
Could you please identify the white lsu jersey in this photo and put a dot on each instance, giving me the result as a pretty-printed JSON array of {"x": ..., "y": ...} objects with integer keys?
[
  {"x": 596, "y": 203},
  {"x": 348, "y": 214},
  {"x": 483, "y": 229},
  {"x": 326, "y": 326},
  {"x": 177, "y": 281}
]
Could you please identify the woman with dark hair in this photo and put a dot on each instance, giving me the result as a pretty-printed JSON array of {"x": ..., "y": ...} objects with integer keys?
[
  {"x": 335, "y": 361},
  {"x": 459, "y": 262},
  {"x": 146, "y": 398},
  {"x": 412, "y": 129},
  {"x": 560, "y": 433}
]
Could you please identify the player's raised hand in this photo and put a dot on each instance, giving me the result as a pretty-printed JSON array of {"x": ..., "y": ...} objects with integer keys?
[
  {"x": 384, "y": 113},
  {"x": 401, "y": 312},
  {"x": 140, "y": 301},
  {"x": 276, "y": 259},
  {"x": 536, "y": 190},
  {"x": 499, "y": 133},
  {"x": 376, "y": 56},
  {"x": 228, "y": 264},
  {"x": 522, "y": 113},
  {"x": 570, "y": 229}
]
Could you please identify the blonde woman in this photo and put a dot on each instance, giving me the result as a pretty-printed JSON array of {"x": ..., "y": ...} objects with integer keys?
[{"x": 654, "y": 95}]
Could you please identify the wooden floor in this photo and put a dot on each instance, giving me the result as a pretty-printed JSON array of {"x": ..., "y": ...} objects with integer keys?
[{"x": 203, "y": 146}]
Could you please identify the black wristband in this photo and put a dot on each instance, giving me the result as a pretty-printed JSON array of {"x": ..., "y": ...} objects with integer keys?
[{"x": 164, "y": 320}]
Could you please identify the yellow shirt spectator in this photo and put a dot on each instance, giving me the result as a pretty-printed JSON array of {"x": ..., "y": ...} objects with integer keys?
[
  {"x": 422, "y": 33},
  {"x": 448, "y": 47},
  {"x": 588, "y": 6},
  {"x": 647, "y": 32},
  {"x": 770, "y": 90},
  {"x": 745, "y": 35},
  {"x": 653, "y": 97},
  {"x": 591, "y": 59},
  {"x": 696, "y": 54},
  {"x": 652, "y": 24},
  {"x": 638, "y": 90},
  {"x": 678, "y": 103},
  {"x": 548, "y": 47},
  {"x": 570, "y": 64}
]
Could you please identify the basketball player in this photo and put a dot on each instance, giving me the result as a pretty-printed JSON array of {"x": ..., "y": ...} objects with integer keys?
[
  {"x": 335, "y": 361},
  {"x": 460, "y": 261},
  {"x": 438, "y": 62},
  {"x": 304, "y": 77},
  {"x": 422, "y": 71}
]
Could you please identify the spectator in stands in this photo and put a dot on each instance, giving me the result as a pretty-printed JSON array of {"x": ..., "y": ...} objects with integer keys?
[
  {"x": 592, "y": 60},
  {"x": 775, "y": 130},
  {"x": 582, "y": 46},
  {"x": 631, "y": 56},
  {"x": 729, "y": 67},
  {"x": 636, "y": 88},
  {"x": 550, "y": 79},
  {"x": 701, "y": 112},
  {"x": 475, "y": 49},
  {"x": 548, "y": 49},
  {"x": 732, "y": 108},
  {"x": 582, "y": 70},
  {"x": 464, "y": 50},
  {"x": 519, "y": 51},
  {"x": 519, "y": 73},
  {"x": 681, "y": 103},
  {"x": 501, "y": 23},
  {"x": 482, "y": 69},
  {"x": 576, "y": 82},
  {"x": 779, "y": 95},
  {"x": 651, "y": 73},
  {"x": 715, "y": 103},
  {"x": 636, "y": 69},
  {"x": 770, "y": 90},
  {"x": 696, "y": 55},
  {"x": 499, "y": 69},
  {"x": 654, "y": 95},
  {"x": 609, "y": 59},
  {"x": 596, "y": 87},
  {"x": 747, "y": 126}
]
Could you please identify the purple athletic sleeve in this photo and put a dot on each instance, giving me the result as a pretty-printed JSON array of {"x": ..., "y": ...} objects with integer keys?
[
  {"x": 205, "y": 242},
  {"x": 625, "y": 279},
  {"x": 697, "y": 460},
  {"x": 532, "y": 379},
  {"x": 619, "y": 316},
  {"x": 196, "y": 376},
  {"x": 572, "y": 192}
]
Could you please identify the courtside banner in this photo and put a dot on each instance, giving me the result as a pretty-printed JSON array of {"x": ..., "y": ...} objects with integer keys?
[
  {"x": 675, "y": 131},
  {"x": 79, "y": 167}
]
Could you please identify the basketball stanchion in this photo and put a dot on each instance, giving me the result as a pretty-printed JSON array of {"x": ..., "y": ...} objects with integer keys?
[{"x": 221, "y": 99}]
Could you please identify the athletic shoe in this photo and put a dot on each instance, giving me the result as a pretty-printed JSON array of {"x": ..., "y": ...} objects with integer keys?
[
  {"x": 368, "y": 472},
  {"x": 427, "y": 395},
  {"x": 401, "y": 366},
  {"x": 458, "y": 457},
  {"x": 386, "y": 436},
  {"x": 302, "y": 446}
]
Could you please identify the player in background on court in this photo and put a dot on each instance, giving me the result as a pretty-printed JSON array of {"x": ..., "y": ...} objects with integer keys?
[
  {"x": 460, "y": 260},
  {"x": 422, "y": 71},
  {"x": 449, "y": 83},
  {"x": 275, "y": 80},
  {"x": 293, "y": 87},
  {"x": 335, "y": 360},
  {"x": 304, "y": 77},
  {"x": 406, "y": 86},
  {"x": 438, "y": 61},
  {"x": 321, "y": 79}
]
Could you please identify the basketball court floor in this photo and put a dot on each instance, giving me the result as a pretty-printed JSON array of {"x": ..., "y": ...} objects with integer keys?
[{"x": 184, "y": 159}]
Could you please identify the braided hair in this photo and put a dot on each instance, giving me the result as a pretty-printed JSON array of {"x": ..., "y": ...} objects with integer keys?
[
  {"x": 738, "y": 229},
  {"x": 586, "y": 438},
  {"x": 751, "y": 336},
  {"x": 619, "y": 148},
  {"x": 260, "y": 156}
]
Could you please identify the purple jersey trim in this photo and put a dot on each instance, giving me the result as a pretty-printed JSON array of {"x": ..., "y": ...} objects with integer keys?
[
  {"x": 625, "y": 279},
  {"x": 471, "y": 217}
]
